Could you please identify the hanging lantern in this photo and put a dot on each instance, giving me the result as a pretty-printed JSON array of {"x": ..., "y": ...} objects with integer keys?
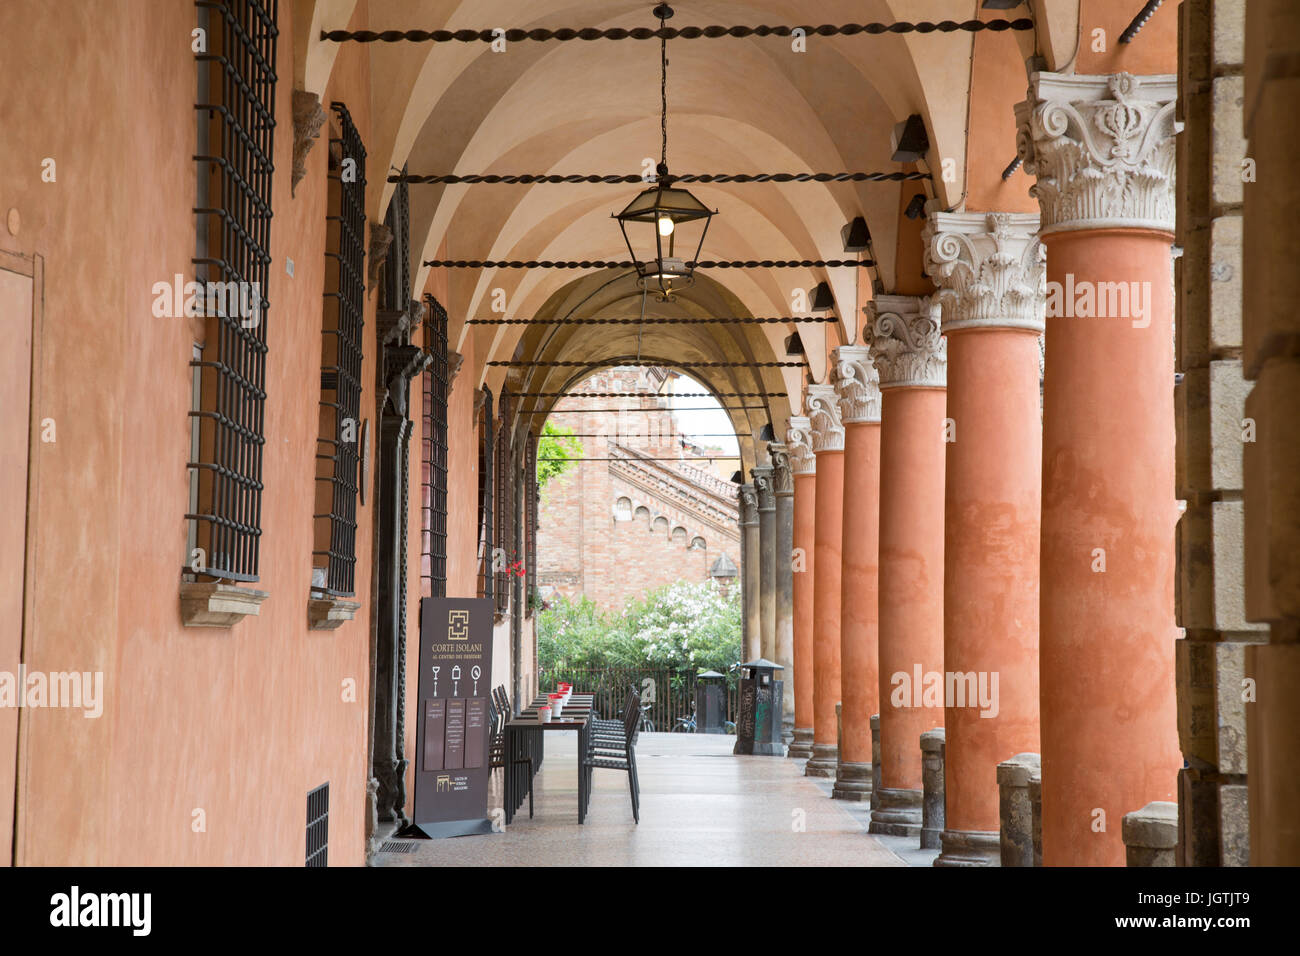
[{"x": 664, "y": 226}]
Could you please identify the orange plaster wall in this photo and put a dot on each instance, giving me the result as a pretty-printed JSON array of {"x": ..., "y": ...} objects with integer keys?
[
  {"x": 1153, "y": 50},
  {"x": 240, "y": 723},
  {"x": 998, "y": 83}
]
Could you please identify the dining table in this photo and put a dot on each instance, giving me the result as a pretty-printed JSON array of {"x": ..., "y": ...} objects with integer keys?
[{"x": 525, "y": 748}]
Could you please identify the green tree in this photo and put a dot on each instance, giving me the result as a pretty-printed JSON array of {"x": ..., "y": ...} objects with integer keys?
[{"x": 556, "y": 451}]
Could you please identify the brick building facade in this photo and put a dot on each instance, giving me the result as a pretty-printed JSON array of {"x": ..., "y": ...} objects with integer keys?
[{"x": 614, "y": 530}]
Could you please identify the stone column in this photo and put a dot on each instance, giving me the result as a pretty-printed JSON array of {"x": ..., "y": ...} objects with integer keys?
[
  {"x": 858, "y": 389},
  {"x": 803, "y": 464},
  {"x": 750, "y": 558},
  {"x": 1102, "y": 149},
  {"x": 1271, "y": 359},
  {"x": 783, "y": 482},
  {"x": 1151, "y": 834},
  {"x": 910, "y": 356},
  {"x": 933, "y": 784},
  {"x": 1017, "y": 812},
  {"x": 989, "y": 271},
  {"x": 828, "y": 445},
  {"x": 762, "y": 475}
]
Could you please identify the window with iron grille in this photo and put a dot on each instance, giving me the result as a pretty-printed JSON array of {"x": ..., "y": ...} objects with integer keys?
[
  {"x": 395, "y": 293},
  {"x": 335, "y": 514},
  {"x": 318, "y": 826},
  {"x": 485, "y": 508},
  {"x": 433, "y": 457},
  {"x": 530, "y": 522},
  {"x": 235, "y": 115},
  {"x": 505, "y": 502}
]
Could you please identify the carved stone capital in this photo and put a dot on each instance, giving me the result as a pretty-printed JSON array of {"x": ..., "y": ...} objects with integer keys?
[
  {"x": 990, "y": 267},
  {"x": 308, "y": 118},
  {"x": 798, "y": 441},
  {"x": 857, "y": 384},
  {"x": 824, "y": 411},
  {"x": 1102, "y": 149},
  {"x": 748, "y": 505},
  {"x": 905, "y": 343},
  {"x": 782, "y": 473},
  {"x": 765, "y": 487},
  {"x": 454, "y": 361}
]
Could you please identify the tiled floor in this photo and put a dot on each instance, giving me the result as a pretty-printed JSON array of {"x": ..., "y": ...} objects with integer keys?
[{"x": 700, "y": 806}]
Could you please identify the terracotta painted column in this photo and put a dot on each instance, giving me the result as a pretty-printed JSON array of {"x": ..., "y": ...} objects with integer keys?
[
  {"x": 858, "y": 389},
  {"x": 803, "y": 465},
  {"x": 910, "y": 357},
  {"x": 1102, "y": 149},
  {"x": 989, "y": 270},
  {"x": 762, "y": 475},
  {"x": 828, "y": 530},
  {"x": 783, "y": 482},
  {"x": 750, "y": 560}
]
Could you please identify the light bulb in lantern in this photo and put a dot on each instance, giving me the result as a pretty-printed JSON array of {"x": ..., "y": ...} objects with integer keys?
[{"x": 665, "y": 226}]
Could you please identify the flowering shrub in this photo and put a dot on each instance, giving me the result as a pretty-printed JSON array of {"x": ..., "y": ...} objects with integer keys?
[{"x": 682, "y": 627}]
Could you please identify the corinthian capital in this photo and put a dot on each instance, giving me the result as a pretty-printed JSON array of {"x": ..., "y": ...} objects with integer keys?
[
  {"x": 748, "y": 505},
  {"x": 857, "y": 384},
  {"x": 824, "y": 411},
  {"x": 798, "y": 441},
  {"x": 1102, "y": 149},
  {"x": 763, "y": 485},
  {"x": 906, "y": 345},
  {"x": 782, "y": 476},
  {"x": 990, "y": 268}
]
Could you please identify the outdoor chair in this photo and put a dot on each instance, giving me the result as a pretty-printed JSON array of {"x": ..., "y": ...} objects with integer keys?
[
  {"x": 497, "y": 718},
  {"x": 617, "y": 751}
]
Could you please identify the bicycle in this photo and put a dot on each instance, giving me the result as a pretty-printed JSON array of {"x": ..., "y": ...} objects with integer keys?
[{"x": 686, "y": 724}]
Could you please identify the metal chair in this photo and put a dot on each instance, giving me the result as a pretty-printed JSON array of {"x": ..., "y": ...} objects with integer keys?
[
  {"x": 497, "y": 747},
  {"x": 616, "y": 750}
]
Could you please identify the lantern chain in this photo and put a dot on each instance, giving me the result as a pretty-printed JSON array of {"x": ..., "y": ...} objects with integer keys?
[
  {"x": 922, "y": 27},
  {"x": 536, "y": 178},
  {"x": 606, "y": 264}
]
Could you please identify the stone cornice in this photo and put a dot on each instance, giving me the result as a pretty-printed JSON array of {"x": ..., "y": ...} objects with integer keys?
[
  {"x": 990, "y": 267},
  {"x": 857, "y": 384},
  {"x": 1101, "y": 148},
  {"x": 798, "y": 442},
  {"x": 906, "y": 345},
  {"x": 824, "y": 412},
  {"x": 762, "y": 475},
  {"x": 782, "y": 474}
]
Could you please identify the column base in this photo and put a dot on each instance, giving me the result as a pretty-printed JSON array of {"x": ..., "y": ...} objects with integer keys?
[
  {"x": 801, "y": 748},
  {"x": 897, "y": 812},
  {"x": 970, "y": 848},
  {"x": 853, "y": 782},
  {"x": 823, "y": 762}
]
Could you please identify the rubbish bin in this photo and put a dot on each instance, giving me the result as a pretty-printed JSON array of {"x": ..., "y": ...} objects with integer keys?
[
  {"x": 758, "y": 729},
  {"x": 710, "y": 703}
]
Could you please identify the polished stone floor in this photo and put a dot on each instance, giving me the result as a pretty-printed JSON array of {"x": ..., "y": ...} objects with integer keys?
[{"x": 700, "y": 806}]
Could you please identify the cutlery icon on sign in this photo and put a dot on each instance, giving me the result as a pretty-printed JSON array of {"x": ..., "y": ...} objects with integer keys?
[
  {"x": 475, "y": 673},
  {"x": 455, "y": 681},
  {"x": 436, "y": 668}
]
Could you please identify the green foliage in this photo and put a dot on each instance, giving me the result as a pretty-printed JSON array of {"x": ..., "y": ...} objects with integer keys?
[
  {"x": 682, "y": 627},
  {"x": 557, "y": 444}
]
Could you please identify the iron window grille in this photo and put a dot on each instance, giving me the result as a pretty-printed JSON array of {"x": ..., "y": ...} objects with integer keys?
[
  {"x": 396, "y": 290},
  {"x": 341, "y": 357},
  {"x": 318, "y": 826},
  {"x": 235, "y": 113},
  {"x": 433, "y": 460},
  {"x": 485, "y": 503},
  {"x": 504, "y": 501}
]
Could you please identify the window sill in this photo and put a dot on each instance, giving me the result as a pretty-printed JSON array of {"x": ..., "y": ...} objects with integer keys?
[
  {"x": 217, "y": 604},
  {"x": 327, "y": 613}
]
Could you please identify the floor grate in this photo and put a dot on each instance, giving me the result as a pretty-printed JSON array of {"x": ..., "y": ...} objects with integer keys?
[{"x": 399, "y": 846}]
